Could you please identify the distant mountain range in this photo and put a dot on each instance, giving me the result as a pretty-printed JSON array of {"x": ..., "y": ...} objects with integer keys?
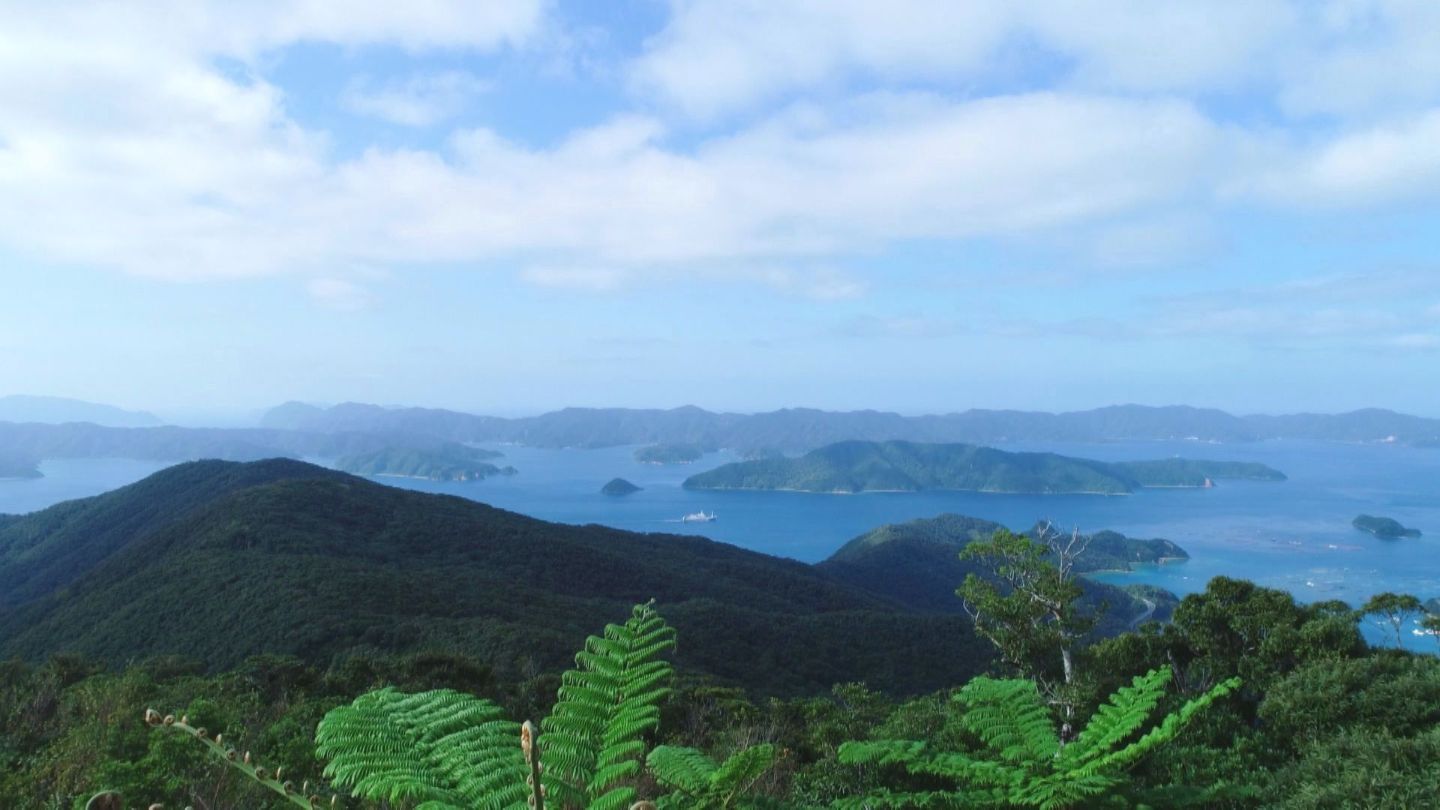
[
  {"x": 802, "y": 429},
  {"x": 304, "y": 431},
  {"x": 220, "y": 560},
  {"x": 58, "y": 410}
]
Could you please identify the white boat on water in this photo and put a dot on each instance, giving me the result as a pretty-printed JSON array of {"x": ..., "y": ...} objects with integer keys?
[{"x": 699, "y": 517}]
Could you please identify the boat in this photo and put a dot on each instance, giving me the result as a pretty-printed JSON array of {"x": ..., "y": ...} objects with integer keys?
[{"x": 699, "y": 517}]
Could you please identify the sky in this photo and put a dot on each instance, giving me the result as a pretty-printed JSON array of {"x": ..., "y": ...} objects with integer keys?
[{"x": 919, "y": 206}]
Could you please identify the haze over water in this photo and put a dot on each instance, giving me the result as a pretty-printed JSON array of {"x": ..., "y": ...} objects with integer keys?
[{"x": 1294, "y": 534}]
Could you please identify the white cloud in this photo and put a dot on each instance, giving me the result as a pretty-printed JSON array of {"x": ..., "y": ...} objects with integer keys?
[
  {"x": 417, "y": 101},
  {"x": 1315, "y": 57},
  {"x": 1395, "y": 160},
  {"x": 125, "y": 145},
  {"x": 340, "y": 294}
]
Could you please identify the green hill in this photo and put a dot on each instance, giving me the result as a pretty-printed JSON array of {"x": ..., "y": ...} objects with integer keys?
[
  {"x": 907, "y": 466},
  {"x": 450, "y": 462},
  {"x": 917, "y": 564},
  {"x": 221, "y": 560}
]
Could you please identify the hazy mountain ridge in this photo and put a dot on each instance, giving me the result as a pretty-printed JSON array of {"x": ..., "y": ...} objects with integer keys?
[
  {"x": 801, "y": 429},
  {"x": 304, "y": 431},
  {"x": 60, "y": 410}
]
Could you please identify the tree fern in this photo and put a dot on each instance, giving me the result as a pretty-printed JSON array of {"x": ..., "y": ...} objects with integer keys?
[
  {"x": 1022, "y": 762},
  {"x": 444, "y": 750},
  {"x": 700, "y": 784},
  {"x": 594, "y": 739}
]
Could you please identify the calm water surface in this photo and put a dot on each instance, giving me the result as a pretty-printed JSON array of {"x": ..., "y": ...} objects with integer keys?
[{"x": 1294, "y": 535}]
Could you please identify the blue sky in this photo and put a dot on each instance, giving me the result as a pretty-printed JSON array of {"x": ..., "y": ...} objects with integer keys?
[{"x": 915, "y": 206}]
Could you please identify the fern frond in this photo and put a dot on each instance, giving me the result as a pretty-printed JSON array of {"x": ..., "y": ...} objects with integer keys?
[
  {"x": 594, "y": 739},
  {"x": 1125, "y": 712},
  {"x": 683, "y": 769},
  {"x": 741, "y": 771},
  {"x": 217, "y": 747},
  {"x": 441, "y": 747},
  {"x": 1168, "y": 730},
  {"x": 1010, "y": 718}
]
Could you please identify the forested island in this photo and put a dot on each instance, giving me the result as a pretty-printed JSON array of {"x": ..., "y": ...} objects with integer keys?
[
  {"x": 618, "y": 486},
  {"x": 1383, "y": 527},
  {"x": 453, "y": 462},
  {"x": 669, "y": 453},
  {"x": 19, "y": 466},
  {"x": 848, "y": 467}
]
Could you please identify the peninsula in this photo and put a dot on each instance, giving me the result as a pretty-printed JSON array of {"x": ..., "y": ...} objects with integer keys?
[{"x": 18, "y": 466}]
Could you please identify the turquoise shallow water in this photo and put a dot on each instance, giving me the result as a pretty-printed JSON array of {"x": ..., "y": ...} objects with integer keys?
[{"x": 1294, "y": 535}]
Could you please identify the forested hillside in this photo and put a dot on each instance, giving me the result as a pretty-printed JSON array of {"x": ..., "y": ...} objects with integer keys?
[{"x": 219, "y": 560}]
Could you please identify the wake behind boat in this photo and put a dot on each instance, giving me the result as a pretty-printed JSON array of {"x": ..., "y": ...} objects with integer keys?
[{"x": 699, "y": 517}]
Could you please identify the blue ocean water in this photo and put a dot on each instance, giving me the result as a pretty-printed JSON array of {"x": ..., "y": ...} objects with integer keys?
[{"x": 1294, "y": 535}]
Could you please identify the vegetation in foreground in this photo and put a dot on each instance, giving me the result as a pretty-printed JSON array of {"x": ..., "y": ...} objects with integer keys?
[{"x": 1246, "y": 699}]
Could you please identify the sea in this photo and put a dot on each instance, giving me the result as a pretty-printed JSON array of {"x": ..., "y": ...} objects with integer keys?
[{"x": 1293, "y": 534}]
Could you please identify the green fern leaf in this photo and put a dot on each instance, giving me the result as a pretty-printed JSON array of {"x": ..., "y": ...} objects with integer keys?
[
  {"x": 441, "y": 748},
  {"x": 594, "y": 740},
  {"x": 1010, "y": 718}
]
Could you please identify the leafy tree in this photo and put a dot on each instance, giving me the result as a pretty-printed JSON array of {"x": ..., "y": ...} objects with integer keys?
[
  {"x": 1395, "y": 609},
  {"x": 1023, "y": 761},
  {"x": 1028, "y": 606},
  {"x": 1430, "y": 623}
]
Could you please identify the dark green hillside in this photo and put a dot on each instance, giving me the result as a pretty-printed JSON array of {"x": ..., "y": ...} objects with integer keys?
[
  {"x": 53, "y": 548},
  {"x": 220, "y": 560},
  {"x": 917, "y": 564}
]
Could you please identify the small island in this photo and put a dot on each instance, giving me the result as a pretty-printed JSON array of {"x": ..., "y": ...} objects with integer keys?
[
  {"x": 898, "y": 466},
  {"x": 618, "y": 487},
  {"x": 451, "y": 462},
  {"x": 17, "y": 466},
  {"x": 1383, "y": 527},
  {"x": 669, "y": 454}
]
